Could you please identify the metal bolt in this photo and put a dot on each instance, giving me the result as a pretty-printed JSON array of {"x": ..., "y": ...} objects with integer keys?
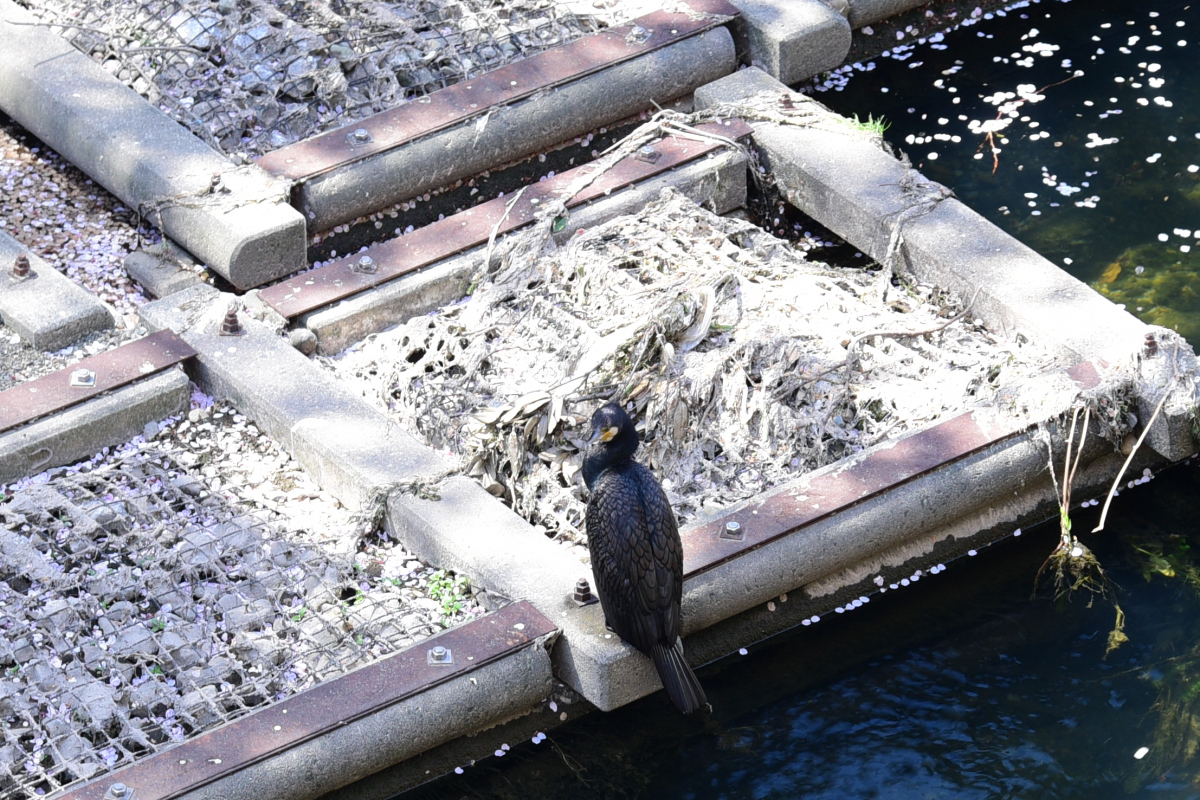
[
  {"x": 215, "y": 181},
  {"x": 439, "y": 655},
  {"x": 733, "y": 530},
  {"x": 83, "y": 377},
  {"x": 366, "y": 265},
  {"x": 361, "y": 135},
  {"x": 119, "y": 791},
  {"x": 230, "y": 325},
  {"x": 647, "y": 153},
  {"x": 1151, "y": 344},
  {"x": 582, "y": 596},
  {"x": 786, "y": 100},
  {"x": 20, "y": 267}
]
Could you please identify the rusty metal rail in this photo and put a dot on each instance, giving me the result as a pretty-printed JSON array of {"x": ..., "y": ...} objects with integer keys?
[
  {"x": 762, "y": 521},
  {"x": 330, "y": 705},
  {"x": 454, "y": 104},
  {"x": 92, "y": 376},
  {"x": 384, "y": 262}
]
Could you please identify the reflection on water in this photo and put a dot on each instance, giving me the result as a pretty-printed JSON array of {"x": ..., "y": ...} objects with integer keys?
[
  {"x": 1073, "y": 126},
  {"x": 961, "y": 686}
]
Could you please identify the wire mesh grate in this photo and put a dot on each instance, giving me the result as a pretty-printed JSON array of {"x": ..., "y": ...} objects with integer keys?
[
  {"x": 250, "y": 76},
  {"x": 138, "y": 609}
]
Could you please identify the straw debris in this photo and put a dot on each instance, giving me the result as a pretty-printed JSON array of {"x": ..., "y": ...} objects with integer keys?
[{"x": 727, "y": 344}]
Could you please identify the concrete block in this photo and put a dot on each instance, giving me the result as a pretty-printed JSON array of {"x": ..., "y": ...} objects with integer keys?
[
  {"x": 82, "y": 431},
  {"x": 717, "y": 182},
  {"x": 848, "y": 182},
  {"x": 735, "y": 87},
  {"x": 866, "y": 12},
  {"x": 352, "y": 450},
  {"x": 792, "y": 40},
  {"x": 47, "y": 309},
  {"x": 249, "y": 234},
  {"x": 162, "y": 269},
  {"x": 1168, "y": 367},
  {"x": 468, "y": 530},
  {"x": 512, "y": 131}
]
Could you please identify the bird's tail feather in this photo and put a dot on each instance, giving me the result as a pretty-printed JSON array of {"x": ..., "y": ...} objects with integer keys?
[{"x": 677, "y": 677}]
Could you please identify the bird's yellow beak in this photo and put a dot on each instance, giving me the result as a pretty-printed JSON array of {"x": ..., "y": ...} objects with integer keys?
[{"x": 603, "y": 435}]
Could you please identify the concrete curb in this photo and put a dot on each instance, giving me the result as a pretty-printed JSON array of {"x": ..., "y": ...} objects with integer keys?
[
  {"x": 791, "y": 40},
  {"x": 717, "y": 183},
  {"x": 47, "y": 310},
  {"x": 351, "y": 450},
  {"x": 86, "y": 429},
  {"x": 511, "y": 132},
  {"x": 249, "y": 233}
]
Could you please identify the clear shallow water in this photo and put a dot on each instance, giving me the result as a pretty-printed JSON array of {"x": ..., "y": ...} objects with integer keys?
[
  {"x": 961, "y": 686},
  {"x": 1094, "y": 108}
]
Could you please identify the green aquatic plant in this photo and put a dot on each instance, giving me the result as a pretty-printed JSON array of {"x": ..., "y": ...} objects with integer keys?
[
  {"x": 875, "y": 127},
  {"x": 1072, "y": 564}
]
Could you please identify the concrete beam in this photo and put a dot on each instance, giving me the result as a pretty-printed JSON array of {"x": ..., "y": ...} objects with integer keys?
[
  {"x": 848, "y": 182},
  {"x": 511, "y": 132},
  {"x": 162, "y": 269},
  {"x": 792, "y": 40},
  {"x": 352, "y": 450},
  {"x": 249, "y": 234},
  {"x": 47, "y": 309},
  {"x": 866, "y": 12},
  {"x": 717, "y": 182},
  {"x": 82, "y": 431}
]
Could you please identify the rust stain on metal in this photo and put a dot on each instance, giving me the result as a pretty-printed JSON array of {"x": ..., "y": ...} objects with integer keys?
[
  {"x": 470, "y": 98},
  {"x": 444, "y": 238},
  {"x": 331, "y": 705},
  {"x": 765, "y": 520},
  {"x": 117, "y": 367}
]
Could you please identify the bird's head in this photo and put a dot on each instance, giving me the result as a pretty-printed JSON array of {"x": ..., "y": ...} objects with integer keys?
[
  {"x": 614, "y": 439},
  {"x": 612, "y": 428}
]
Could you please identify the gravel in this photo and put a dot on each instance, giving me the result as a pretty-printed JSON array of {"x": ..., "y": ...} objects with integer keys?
[{"x": 60, "y": 214}]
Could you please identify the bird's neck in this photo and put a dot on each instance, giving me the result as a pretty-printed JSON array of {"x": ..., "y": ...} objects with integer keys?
[{"x": 605, "y": 457}]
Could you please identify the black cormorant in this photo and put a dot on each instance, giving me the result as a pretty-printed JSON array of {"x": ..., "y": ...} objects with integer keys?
[{"x": 637, "y": 557}]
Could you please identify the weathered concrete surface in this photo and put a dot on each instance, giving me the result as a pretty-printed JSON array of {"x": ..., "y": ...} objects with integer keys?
[
  {"x": 161, "y": 269},
  {"x": 865, "y": 12},
  {"x": 351, "y": 450},
  {"x": 718, "y": 183},
  {"x": 469, "y": 531},
  {"x": 517, "y": 130},
  {"x": 47, "y": 309},
  {"x": 249, "y": 234},
  {"x": 792, "y": 40},
  {"x": 487, "y": 696},
  {"x": 82, "y": 431}
]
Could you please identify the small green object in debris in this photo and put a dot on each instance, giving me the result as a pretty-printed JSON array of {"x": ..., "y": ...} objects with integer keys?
[{"x": 560, "y": 222}]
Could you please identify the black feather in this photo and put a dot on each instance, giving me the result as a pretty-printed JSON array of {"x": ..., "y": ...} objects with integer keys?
[{"x": 637, "y": 557}]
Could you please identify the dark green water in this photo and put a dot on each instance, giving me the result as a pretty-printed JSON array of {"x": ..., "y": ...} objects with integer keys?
[
  {"x": 964, "y": 685},
  {"x": 1099, "y": 169}
]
